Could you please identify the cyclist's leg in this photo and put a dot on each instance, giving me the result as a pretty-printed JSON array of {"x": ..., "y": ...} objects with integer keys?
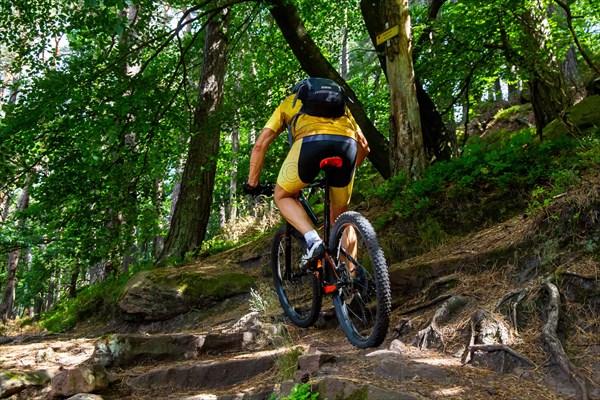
[
  {"x": 340, "y": 198},
  {"x": 291, "y": 210},
  {"x": 288, "y": 186}
]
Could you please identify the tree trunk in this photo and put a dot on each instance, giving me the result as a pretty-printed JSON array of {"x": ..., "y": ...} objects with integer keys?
[
  {"x": 498, "y": 90},
  {"x": 546, "y": 82},
  {"x": 4, "y": 207},
  {"x": 235, "y": 148},
  {"x": 406, "y": 140},
  {"x": 73, "y": 285},
  {"x": 50, "y": 293},
  {"x": 190, "y": 217},
  {"x": 344, "y": 55},
  {"x": 8, "y": 297},
  {"x": 439, "y": 142},
  {"x": 565, "y": 5},
  {"x": 315, "y": 64},
  {"x": 513, "y": 88},
  {"x": 158, "y": 241}
]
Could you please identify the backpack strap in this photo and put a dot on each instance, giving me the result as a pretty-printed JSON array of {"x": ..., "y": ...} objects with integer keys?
[{"x": 292, "y": 125}]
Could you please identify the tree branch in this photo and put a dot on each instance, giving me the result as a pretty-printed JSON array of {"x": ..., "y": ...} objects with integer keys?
[{"x": 587, "y": 59}]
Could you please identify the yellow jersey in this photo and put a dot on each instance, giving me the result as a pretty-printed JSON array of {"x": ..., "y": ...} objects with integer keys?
[{"x": 306, "y": 125}]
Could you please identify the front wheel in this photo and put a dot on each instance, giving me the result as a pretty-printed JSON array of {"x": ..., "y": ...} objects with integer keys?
[
  {"x": 363, "y": 301},
  {"x": 299, "y": 291}
]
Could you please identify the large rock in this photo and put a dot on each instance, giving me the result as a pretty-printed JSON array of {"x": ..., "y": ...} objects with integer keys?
[
  {"x": 121, "y": 350},
  {"x": 339, "y": 388},
  {"x": 164, "y": 293},
  {"x": 12, "y": 382},
  {"x": 209, "y": 375},
  {"x": 86, "y": 379},
  {"x": 583, "y": 115}
]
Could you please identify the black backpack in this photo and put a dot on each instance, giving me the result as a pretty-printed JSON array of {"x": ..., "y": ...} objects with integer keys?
[{"x": 321, "y": 97}]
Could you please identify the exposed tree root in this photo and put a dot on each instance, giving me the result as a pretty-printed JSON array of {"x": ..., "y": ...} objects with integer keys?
[
  {"x": 554, "y": 345},
  {"x": 432, "y": 334},
  {"x": 429, "y": 335},
  {"x": 420, "y": 307},
  {"x": 486, "y": 330},
  {"x": 576, "y": 275},
  {"x": 497, "y": 347},
  {"x": 520, "y": 294}
]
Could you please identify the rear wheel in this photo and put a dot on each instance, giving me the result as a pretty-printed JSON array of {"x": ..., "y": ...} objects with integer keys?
[
  {"x": 299, "y": 291},
  {"x": 363, "y": 301}
]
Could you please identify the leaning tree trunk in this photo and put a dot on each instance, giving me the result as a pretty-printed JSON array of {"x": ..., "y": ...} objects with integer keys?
[
  {"x": 315, "y": 64},
  {"x": 546, "y": 82},
  {"x": 190, "y": 217}
]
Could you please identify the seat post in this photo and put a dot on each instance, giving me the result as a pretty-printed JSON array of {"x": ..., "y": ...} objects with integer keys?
[
  {"x": 328, "y": 165},
  {"x": 327, "y": 211}
]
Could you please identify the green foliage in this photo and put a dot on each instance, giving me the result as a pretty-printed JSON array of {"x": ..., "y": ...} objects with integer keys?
[
  {"x": 431, "y": 233},
  {"x": 513, "y": 164},
  {"x": 300, "y": 392},
  {"x": 100, "y": 119},
  {"x": 97, "y": 300}
]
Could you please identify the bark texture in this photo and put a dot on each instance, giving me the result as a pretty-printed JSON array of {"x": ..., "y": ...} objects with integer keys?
[
  {"x": 407, "y": 153},
  {"x": 437, "y": 139},
  {"x": 190, "y": 217},
  {"x": 8, "y": 297}
]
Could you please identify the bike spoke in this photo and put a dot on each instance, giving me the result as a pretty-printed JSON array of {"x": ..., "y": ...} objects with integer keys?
[
  {"x": 297, "y": 289},
  {"x": 364, "y": 301}
]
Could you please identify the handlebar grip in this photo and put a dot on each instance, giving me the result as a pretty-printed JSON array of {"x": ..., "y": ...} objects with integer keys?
[{"x": 266, "y": 189}]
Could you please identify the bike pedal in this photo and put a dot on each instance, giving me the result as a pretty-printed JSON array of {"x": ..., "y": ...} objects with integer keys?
[{"x": 341, "y": 267}]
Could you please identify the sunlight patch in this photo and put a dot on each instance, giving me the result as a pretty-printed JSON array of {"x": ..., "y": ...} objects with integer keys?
[{"x": 453, "y": 391}]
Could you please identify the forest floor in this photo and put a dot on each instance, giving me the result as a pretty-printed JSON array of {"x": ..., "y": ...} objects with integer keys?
[{"x": 423, "y": 357}]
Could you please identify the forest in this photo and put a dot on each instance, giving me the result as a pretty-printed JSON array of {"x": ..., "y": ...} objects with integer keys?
[{"x": 126, "y": 126}]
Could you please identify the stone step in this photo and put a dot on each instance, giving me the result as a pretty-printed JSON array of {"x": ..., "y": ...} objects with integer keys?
[
  {"x": 248, "y": 334},
  {"x": 210, "y": 375}
]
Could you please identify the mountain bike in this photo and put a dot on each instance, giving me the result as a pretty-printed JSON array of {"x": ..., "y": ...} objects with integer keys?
[{"x": 353, "y": 271}]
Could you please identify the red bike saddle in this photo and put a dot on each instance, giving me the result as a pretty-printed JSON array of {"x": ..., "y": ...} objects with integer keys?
[{"x": 335, "y": 162}]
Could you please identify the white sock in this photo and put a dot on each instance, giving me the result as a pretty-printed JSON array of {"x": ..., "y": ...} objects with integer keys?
[{"x": 311, "y": 237}]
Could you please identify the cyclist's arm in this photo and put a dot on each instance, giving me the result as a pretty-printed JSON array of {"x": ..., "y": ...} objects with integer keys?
[
  {"x": 363, "y": 148},
  {"x": 257, "y": 158}
]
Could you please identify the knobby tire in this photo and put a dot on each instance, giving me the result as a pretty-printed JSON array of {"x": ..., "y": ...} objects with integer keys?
[
  {"x": 299, "y": 292},
  {"x": 363, "y": 302}
]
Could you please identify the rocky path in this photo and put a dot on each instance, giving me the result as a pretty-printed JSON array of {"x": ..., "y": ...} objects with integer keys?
[
  {"x": 244, "y": 361},
  {"x": 506, "y": 313}
]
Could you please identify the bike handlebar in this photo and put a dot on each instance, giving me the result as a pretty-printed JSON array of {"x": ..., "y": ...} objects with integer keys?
[
  {"x": 268, "y": 188},
  {"x": 265, "y": 189}
]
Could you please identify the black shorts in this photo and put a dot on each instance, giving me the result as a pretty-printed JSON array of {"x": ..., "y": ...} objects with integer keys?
[{"x": 302, "y": 164}]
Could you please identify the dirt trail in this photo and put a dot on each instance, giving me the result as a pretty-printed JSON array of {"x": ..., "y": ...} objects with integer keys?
[{"x": 490, "y": 292}]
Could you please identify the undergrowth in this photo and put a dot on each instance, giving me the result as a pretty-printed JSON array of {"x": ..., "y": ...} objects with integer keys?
[
  {"x": 504, "y": 166},
  {"x": 99, "y": 299}
]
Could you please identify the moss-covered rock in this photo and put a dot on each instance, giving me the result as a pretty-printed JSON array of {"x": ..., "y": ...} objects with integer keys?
[
  {"x": 164, "y": 293},
  {"x": 12, "y": 382},
  {"x": 582, "y": 115}
]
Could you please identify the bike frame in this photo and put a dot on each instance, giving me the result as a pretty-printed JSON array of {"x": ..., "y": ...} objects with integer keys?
[{"x": 332, "y": 278}]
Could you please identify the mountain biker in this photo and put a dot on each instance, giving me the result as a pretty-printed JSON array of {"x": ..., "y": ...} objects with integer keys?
[{"x": 314, "y": 139}]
